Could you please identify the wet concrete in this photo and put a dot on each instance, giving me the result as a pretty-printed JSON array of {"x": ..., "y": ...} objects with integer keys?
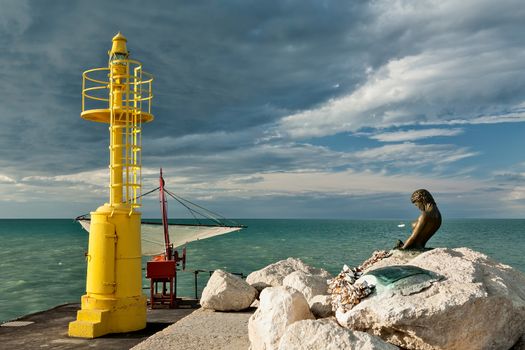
[{"x": 48, "y": 329}]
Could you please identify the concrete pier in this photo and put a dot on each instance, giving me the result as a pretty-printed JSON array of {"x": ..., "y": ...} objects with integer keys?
[
  {"x": 48, "y": 329},
  {"x": 203, "y": 330}
]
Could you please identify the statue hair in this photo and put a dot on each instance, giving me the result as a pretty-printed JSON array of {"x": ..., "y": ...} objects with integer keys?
[{"x": 422, "y": 196}]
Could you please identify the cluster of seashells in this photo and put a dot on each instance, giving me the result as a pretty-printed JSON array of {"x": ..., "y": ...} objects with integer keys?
[
  {"x": 345, "y": 292},
  {"x": 376, "y": 256}
]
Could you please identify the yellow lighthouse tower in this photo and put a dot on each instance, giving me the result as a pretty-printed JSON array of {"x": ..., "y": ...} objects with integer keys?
[{"x": 119, "y": 95}]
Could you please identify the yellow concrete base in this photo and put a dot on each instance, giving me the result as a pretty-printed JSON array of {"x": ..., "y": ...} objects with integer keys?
[
  {"x": 113, "y": 302},
  {"x": 103, "y": 316}
]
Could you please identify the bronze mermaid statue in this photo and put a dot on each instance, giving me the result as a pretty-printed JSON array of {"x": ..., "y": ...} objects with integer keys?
[{"x": 426, "y": 224}]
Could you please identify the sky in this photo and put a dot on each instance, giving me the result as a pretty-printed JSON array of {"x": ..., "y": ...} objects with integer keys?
[{"x": 274, "y": 109}]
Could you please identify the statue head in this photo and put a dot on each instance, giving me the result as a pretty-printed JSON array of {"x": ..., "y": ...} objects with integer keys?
[{"x": 421, "y": 198}]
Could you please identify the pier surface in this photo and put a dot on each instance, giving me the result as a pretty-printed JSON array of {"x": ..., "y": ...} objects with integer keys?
[
  {"x": 48, "y": 329},
  {"x": 203, "y": 330}
]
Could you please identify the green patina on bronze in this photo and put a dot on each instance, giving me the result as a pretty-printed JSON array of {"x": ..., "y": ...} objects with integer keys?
[{"x": 391, "y": 274}]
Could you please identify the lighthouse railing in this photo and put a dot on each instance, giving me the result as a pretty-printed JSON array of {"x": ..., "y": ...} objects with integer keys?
[
  {"x": 95, "y": 87},
  {"x": 134, "y": 107}
]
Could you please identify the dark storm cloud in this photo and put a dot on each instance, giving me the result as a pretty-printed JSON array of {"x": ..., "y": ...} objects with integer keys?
[{"x": 219, "y": 66}]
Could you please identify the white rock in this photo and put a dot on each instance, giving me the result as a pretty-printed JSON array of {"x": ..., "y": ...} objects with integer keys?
[
  {"x": 479, "y": 305},
  {"x": 328, "y": 335},
  {"x": 227, "y": 292},
  {"x": 397, "y": 257},
  {"x": 274, "y": 274},
  {"x": 309, "y": 285},
  {"x": 278, "y": 308},
  {"x": 321, "y": 306}
]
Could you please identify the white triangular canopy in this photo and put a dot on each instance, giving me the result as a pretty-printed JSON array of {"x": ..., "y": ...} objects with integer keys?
[{"x": 153, "y": 235}]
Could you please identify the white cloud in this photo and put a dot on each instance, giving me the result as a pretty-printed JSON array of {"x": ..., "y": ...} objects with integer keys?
[
  {"x": 6, "y": 179},
  {"x": 410, "y": 154},
  {"x": 433, "y": 87},
  {"x": 515, "y": 117},
  {"x": 517, "y": 194},
  {"x": 300, "y": 169},
  {"x": 194, "y": 171},
  {"x": 98, "y": 177},
  {"x": 411, "y": 135},
  {"x": 348, "y": 183}
]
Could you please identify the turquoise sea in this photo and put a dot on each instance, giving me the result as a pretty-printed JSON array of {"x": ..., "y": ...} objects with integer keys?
[{"x": 42, "y": 262}]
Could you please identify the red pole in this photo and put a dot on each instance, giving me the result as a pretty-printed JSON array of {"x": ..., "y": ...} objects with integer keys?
[{"x": 163, "y": 205}]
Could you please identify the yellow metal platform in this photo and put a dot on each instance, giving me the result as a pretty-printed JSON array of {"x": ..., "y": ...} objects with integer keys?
[{"x": 104, "y": 116}]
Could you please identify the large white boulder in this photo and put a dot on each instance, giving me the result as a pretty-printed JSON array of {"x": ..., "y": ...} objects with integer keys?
[
  {"x": 227, "y": 292},
  {"x": 274, "y": 274},
  {"x": 478, "y": 304},
  {"x": 328, "y": 335},
  {"x": 278, "y": 308},
  {"x": 309, "y": 285},
  {"x": 321, "y": 306}
]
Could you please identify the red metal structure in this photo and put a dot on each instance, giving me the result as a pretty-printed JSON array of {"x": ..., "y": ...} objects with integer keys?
[{"x": 162, "y": 270}]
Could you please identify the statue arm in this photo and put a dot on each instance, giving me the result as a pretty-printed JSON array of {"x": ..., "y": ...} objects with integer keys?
[{"x": 417, "y": 229}]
